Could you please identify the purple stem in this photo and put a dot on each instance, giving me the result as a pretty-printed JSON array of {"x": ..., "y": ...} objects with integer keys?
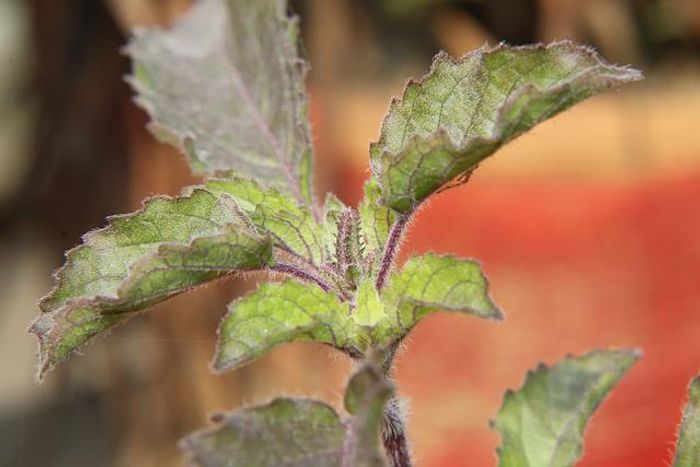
[
  {"x": 391, "y": 249},
  {"x": 292, "y": 270},
  {"x": 342, "y": 241},
  {"x": 394, "y": 435}
]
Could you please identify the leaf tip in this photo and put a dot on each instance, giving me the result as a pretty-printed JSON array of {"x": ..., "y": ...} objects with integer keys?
[
  {"x": 496, "y": 314},
  {"x": 218, "y": 367},
  {"x": 625, "y": 357},
  {"x": 220, "y": 364}
]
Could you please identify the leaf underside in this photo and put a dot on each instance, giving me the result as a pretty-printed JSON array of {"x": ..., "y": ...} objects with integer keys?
[
  {"x": 299, "y": 432},
  {"x": 463, "y": 110},
  {"x": 688, "y": 446},
  {"x": 139, "y": 259},
  {"x": 226, "y": 85},
  {"x": 542, "y": 423}
]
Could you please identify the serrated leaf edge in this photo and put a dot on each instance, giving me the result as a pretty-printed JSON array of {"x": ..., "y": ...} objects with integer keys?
[
  {"x": 693, "y": 389},
  {"x": 57, "y": 275},
  {"x": 542, "y": 367},
  {"x": 43, "y": 325},
  {"x": 376, "y": 164},
  {"x": 498, "y": 314}
]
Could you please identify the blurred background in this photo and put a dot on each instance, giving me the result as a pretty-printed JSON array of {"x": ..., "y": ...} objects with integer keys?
[{"x": 588, "y": 227}]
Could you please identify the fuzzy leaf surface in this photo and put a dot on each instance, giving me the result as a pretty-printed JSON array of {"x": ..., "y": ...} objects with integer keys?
[
  {"x": 289, "y": 432},
  {"x": 369, "y": 309},
  {"x": 277, "y": 313},
  {"x": 463, "y": 110},
  {"x": 299, "y": 432},
  {"x": 348, "y": 251},
  {"x": 375, "y": 220},
  {"x": 365, "y": 397},
  {"x": 168, "y": 247},
  {"x": 333, "y": 210},
  {"x": 688, "y": 447},
  {"x": 226, "y": 85},
  {"x": 542, "y": 423},
  {"x": 431, "y": 283},
  {"x": 291, "y": 225}
]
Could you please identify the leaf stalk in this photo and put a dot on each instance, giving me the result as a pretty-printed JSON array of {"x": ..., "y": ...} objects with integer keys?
[
  {"x": 294, "y": 271},
  {"x": 391, "y": 249}
]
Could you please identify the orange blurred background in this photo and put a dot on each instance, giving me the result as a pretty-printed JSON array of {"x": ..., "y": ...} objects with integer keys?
[{"x": 588, "y": 228}]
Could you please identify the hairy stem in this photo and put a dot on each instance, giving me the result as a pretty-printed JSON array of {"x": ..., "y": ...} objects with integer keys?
[
  {"x": 342, "y": 241},
  {"x": 294, "y": 271},
  {"x": 394, "y": 435},
  {"x": 388, "y": 361},
  {"x": 323, "y": 268},
  {"x": 320, "y": 273},
  {"x": 391, "y": 249}
]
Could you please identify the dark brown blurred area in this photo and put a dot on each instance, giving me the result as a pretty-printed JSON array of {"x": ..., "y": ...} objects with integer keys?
[{"x": 611, "y": 187}]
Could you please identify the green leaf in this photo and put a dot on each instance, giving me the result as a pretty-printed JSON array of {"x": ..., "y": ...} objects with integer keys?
[
  {"x": 289, "y": 432},
  {"x": 688, "y": 447},
  {"x": 463, "y": 110},
  {"x": 369, "y": 310},
  {"x": 365, "y": 398},
  {"x": 168, "y": 247},
  {"x": 348, "y": 252},
  {"x": 299, "y": 432},
  {"x": 542, "y": 423},
  {"x": 431, "y": 283},
  {"x": 375, "y": 220},
  {"x": 306, "y": 174},
  {"x": 333, "y": 210},
  {"x": 226, "y": 85},
  {"x": 291, "y": 226},
  {"x": 290, "y": 311},
  {"x": 277, "y": 313}
]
